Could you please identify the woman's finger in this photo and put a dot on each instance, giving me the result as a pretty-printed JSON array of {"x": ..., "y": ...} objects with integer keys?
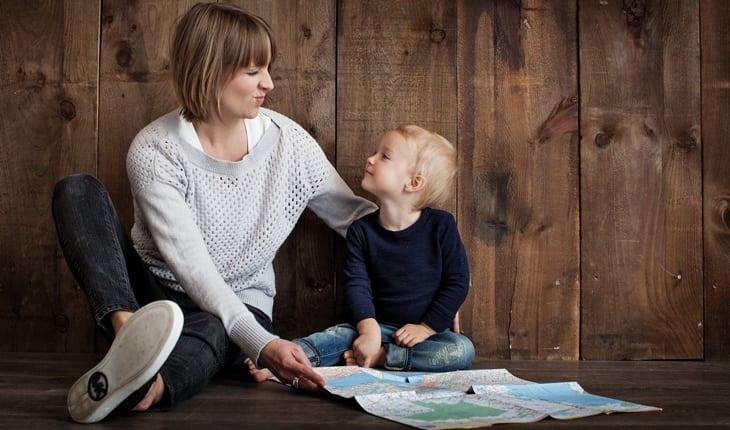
[
  {"x": 302, "y": 370},
  {"x": 306, "y": 384}
]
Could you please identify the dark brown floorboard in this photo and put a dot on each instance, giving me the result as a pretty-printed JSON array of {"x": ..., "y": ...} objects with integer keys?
[{"x": 693, "y": 394}]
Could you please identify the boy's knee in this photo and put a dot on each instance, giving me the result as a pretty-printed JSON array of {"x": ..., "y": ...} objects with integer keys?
[
  {"x": 343, "y": 330},
  {"x": 468, "y": 350},
  {"x": 456, "y": 354}
]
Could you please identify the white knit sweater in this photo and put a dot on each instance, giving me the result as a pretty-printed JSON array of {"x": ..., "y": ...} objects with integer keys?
[{"x": 211, "y": 228}]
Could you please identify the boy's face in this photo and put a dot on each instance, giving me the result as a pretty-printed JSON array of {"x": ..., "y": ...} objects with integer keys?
[{"x": 388, "y": 170}]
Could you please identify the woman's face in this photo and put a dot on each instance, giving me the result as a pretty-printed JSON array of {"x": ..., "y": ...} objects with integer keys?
[{"x": 245, "y": 92}]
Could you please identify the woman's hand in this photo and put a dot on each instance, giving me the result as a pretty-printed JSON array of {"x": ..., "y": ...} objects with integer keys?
[
  {"x": 366, "y": 348},
  {"x": 412, "y": 334},
  {"x": 286, "y": 360}
]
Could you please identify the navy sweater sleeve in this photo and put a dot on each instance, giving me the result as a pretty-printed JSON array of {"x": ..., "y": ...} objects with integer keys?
[
  {"x": 454, "y": 279},
  {"x": 358, "y": 290}
]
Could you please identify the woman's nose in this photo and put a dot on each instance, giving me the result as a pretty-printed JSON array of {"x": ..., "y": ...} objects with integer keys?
[{"x": 267, "y": 83}]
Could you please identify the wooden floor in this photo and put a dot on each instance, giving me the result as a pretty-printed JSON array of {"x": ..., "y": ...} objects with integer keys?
[{"x": 693, "y": 394}]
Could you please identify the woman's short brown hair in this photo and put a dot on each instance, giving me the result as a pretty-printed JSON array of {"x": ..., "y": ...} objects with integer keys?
[{"x": 210, "y": 43}]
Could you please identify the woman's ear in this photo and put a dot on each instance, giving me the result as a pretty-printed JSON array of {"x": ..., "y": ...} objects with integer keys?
[{"x": 417, "y": 183}]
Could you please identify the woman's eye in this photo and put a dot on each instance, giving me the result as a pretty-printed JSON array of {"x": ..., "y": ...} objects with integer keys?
[{"x": 253, "y": 73}]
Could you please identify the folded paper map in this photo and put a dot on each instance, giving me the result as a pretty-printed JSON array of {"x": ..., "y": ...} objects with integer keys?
[{"x": 465, "y": 399}]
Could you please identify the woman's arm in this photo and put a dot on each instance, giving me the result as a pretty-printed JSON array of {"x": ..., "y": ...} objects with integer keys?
[{"x": 336, "y": 204}]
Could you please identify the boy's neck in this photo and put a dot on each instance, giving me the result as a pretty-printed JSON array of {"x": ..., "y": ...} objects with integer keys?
[{"x": 396, "y": 217}]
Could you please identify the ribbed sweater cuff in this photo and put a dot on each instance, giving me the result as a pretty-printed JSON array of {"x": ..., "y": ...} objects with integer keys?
[{"x": 248, "y": 334}]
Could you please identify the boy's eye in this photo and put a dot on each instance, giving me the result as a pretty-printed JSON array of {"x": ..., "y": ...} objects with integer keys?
[{"x": 386, "y": 157}]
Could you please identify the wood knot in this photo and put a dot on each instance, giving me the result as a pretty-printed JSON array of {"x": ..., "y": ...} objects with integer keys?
[
  {"x": 61, "y": 322},
  {"x": 722, "y": 213},
  {"x": 687, "y": 142},
  {"x": 68, "y": 110},
  {"x": 602, "y": 140},
  {"x": 124, "y": 54},
  {"x": 649, "y": 132},
  {"x": 437, "y": 35},
  {"x": 635, "y": 11},
  {"x": 306, "y": 31}
]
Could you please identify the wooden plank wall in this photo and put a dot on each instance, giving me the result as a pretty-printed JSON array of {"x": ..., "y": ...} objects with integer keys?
[
  {"x": 592, "y": 194},
  {"x": 641, "y": 195}
]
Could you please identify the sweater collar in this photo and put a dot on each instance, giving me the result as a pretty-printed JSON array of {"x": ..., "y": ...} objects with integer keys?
[{"x": 186, "y": 132}]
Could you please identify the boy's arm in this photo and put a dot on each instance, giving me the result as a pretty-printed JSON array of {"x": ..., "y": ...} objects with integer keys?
[
  {"x": 454, "y": 281},
  {"x": 359, "y": 299},
  {"x": 358, "y": 290}
]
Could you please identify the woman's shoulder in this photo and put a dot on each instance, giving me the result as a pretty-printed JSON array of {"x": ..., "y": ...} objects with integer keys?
[
  {"x": 161, "y": 127},
  {"x": 156, "y": 138}
]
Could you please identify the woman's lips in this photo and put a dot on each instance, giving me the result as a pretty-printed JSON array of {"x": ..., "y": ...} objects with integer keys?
[{"x": 259, "y": 100}]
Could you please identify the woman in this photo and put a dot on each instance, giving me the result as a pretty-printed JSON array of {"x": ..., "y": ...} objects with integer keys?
[{"x": 218, "y": 185}]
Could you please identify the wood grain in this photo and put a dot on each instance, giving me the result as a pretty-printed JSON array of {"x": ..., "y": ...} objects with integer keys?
[
  {"x": 518, "y": 149},
  {"x": 304, "y": 79},
  {"x": 395, "y": 65},
  {"x": 48, "y": 70},
  {"x": 715, "y": 16},
  {"x": 641, "y": 189}
]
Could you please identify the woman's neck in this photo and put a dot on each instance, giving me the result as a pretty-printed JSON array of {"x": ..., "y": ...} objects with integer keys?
[
  {"x": 223, "y": 139},
  {"x": 396, "y": 217}
]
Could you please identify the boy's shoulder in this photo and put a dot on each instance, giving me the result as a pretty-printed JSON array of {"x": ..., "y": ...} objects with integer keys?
[
  {"x": 441, "y": 215},
  {"x": 366, "y": 221},
  {"x": 441, "y": 218}
]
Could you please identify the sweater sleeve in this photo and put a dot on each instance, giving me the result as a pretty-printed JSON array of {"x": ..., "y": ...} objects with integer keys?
[
  {"x": 158, "y": 189},
  {"x": 358, "y": 291},
  {"x": 333, "y": 201},
  {"x": 454, "y": 280}
]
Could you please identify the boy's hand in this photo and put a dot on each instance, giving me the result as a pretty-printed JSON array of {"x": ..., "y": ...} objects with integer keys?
[
  {"x": 366, "y": 348},
  {"x": 411, "y": 335}
]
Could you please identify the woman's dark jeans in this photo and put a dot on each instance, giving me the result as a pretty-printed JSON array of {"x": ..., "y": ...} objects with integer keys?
[{"x": 113, "y": 277}]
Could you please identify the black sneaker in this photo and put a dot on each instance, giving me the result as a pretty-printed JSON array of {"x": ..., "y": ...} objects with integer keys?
[{"x": 138, "y": 352}]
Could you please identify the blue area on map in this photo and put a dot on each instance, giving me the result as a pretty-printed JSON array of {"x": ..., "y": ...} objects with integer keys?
[
  {"x": 363, "y": 378},
  {"x": 402, "y": 379},
  {"x": 561, "y": 392}
]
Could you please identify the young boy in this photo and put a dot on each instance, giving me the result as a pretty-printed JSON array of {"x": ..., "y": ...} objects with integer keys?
[{"x": 406, "y": 271}]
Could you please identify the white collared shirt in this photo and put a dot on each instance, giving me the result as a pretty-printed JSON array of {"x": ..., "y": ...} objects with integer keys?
[{"x": 255, "y": 129}]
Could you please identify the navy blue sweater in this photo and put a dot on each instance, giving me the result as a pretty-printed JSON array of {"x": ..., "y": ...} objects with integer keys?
[{"x": 419, "y": 274}]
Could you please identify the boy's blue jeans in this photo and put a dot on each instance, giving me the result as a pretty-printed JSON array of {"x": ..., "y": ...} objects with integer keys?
[{"x": 442, "y": 352}]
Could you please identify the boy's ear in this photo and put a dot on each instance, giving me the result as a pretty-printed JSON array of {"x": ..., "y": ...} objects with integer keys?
[{"x": 417, "y": 183}]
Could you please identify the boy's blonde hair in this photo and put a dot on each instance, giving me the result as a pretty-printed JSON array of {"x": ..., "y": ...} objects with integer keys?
[
  {"x": 435, "y": 161},
  {"x": 210, "y": 43}
]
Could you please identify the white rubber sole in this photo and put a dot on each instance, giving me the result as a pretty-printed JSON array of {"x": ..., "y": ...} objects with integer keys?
[{"x": 138, "y": 352}]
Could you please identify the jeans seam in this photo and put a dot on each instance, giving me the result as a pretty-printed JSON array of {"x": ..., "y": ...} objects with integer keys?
[
  {"x": 120, "y": 260},
  {"x": 314, "y": 351}
]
